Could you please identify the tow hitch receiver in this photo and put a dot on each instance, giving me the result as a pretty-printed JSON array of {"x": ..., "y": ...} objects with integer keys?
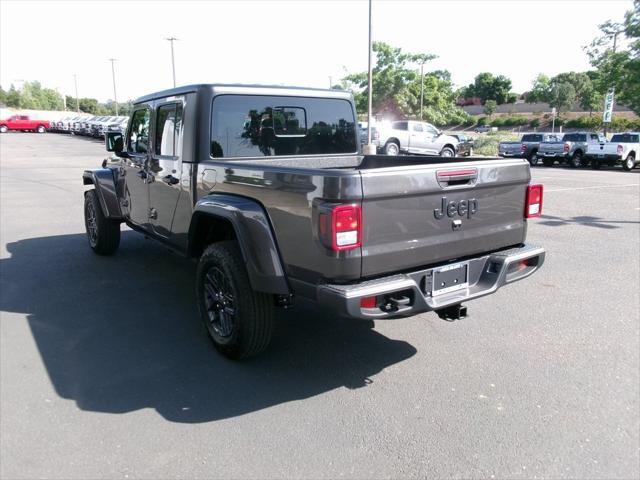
[{"x": 454, "y": 312}]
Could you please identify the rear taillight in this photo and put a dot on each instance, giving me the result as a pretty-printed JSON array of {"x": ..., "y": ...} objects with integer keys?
[
  {"x": 341, "y": 229},
  {"x": 619, "y": 149},
  {"x": 566, "y": 148},
  {"x": 533, "y": 202},
  {"x": 523, "y": 148}
]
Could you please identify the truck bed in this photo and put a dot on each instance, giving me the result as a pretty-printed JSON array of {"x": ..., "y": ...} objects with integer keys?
[{"x": 416, "y": 211}]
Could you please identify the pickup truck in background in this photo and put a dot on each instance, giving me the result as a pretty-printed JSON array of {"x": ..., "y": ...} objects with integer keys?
[
  {"x": 527, "y": 147},
  {"x": 623, "y": 148},
  {"x": 570, "y": 150},
  {"x": 420, "y": 138},
  {"x": 23, "y": 123},
  {"x": 266, "y": 188}
]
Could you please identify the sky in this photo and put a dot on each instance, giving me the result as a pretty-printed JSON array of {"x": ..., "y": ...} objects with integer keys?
[{"x": 300, "y": 43}]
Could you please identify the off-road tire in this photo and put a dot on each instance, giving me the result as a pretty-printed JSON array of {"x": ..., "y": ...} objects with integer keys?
[
  {"x": 252, "y": 322},
  {"x": 103, "y": 234},
  {"x": 533, "y": 158}
]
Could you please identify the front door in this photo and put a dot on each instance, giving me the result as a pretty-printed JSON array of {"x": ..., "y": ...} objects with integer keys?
[
  {"x": 417, "y": 139},
  {"x": 136, "y": 195},
  {"x": 165, "y": 167}
]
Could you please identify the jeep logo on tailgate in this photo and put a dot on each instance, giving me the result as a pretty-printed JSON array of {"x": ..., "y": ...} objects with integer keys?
[{"x": 451, "y": 209}]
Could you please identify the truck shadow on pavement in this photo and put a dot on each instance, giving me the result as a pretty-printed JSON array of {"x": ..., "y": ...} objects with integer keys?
[
  {"x": 118, "y": 334},
  {"x": 586, "y": 220}
]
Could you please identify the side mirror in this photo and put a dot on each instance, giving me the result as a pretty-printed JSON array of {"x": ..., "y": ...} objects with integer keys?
[{"x": 114, "y": 142}]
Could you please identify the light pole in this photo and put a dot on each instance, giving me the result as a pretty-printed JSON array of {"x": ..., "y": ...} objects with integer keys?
[
  {"x": 113, "y": 75},
  {"x": 370, "y": 149},
  {"x": 75, "y": 81},
  {"x": 173, "y": 63},
  {"x": 330, "y": 81}
]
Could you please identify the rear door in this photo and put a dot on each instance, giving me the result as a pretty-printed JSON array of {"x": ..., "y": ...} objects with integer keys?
[
  {"x": 416, "y": 216},
  {"x": 165, "y": 166}
]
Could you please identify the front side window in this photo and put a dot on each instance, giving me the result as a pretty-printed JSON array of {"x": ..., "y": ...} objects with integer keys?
[
  {"x": 138, "y": 140},
  {"x": 260, "y": 125},
  {"x": 168, "y": 129},
  {"x": 431, "y": 129}
]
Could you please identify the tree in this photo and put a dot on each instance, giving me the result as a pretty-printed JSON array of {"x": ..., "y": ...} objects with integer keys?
[
  {"x": 390, "y": 76},
  {"x": 14, "y": 99},
  {"x": 490, "y": 107},
  {"x": 562, "y": 96},
  {"x": 540, "y": 89},
  {"x": 619, "y": 69},
  {"x": 490, "y": 87},
  {"x": 3, "y": 96}
]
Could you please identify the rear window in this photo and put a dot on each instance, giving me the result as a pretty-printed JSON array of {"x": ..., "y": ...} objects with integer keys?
[
  {"x": 574, "y": 137},
  {"x": 259, "y": 125},
  {"x": 532, "y": 138},
  {"x": 625, "y": 138}
]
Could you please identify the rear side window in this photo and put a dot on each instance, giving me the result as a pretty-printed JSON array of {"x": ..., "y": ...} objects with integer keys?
[
  {"x": 138, "y": 139},
  {"x": 417, "y": 127},
  {"x": 625, "y": 138},
  {"x": 260, "y": 125},
  {"x": 574, "y": 137},
  {"x": 532, "y": 138},
  {"x": 168, "y": 129},
  {"x": 400, "y": 125}
]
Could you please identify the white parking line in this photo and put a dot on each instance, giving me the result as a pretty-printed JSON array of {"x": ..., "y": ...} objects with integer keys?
[{"x": 596, "y": 186}]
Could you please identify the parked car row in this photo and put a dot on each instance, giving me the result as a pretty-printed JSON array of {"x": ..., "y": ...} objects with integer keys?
[
  {"x": 576, "y": 149},
  {"x": 95, "y": 126}
]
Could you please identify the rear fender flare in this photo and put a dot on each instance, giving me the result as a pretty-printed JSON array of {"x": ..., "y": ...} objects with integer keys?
[
  {"x": 104, "y": 183},
  {"x": 254, "y": 234}
]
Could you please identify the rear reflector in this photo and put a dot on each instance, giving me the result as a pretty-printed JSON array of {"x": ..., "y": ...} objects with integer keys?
[
  {"x": 533, "y": 202},
  {"x": 368, "y": 302}
]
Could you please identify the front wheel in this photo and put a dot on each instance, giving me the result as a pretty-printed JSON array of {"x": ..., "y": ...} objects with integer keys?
[
  {"x": 41, "y": 129},
  {"x": 238, "y": 320},
  {"x": 447, "y": 152},
  {"x": 629, "y": 162},
  {"x": 103, "y": 234},
  {"x": 392, "y": 148},
  {"x": 4, "y": 129}
]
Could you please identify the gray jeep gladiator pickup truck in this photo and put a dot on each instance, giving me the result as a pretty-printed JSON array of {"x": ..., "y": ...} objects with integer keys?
[{"x": 266, "y": 187}]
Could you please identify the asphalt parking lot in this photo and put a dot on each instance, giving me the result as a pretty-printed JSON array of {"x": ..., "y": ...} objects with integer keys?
[{"x": 106, "y": 373}]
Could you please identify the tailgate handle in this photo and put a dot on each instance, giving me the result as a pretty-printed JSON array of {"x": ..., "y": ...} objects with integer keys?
[{"x": 452, "y": 178}]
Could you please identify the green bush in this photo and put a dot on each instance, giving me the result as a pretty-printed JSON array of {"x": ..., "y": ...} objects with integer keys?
[
  {"x": 590, "y": 123},
  {"x": 535, "y": 123},
  {"x": 509, "y": 122},
  {"x": 487, "y": 145}
]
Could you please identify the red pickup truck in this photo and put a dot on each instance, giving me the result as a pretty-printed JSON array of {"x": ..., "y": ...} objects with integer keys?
[{"x": 24, "y": 123}]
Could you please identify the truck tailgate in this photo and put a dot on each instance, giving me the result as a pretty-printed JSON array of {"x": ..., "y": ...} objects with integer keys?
[{"x": 425, "y": 214}]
